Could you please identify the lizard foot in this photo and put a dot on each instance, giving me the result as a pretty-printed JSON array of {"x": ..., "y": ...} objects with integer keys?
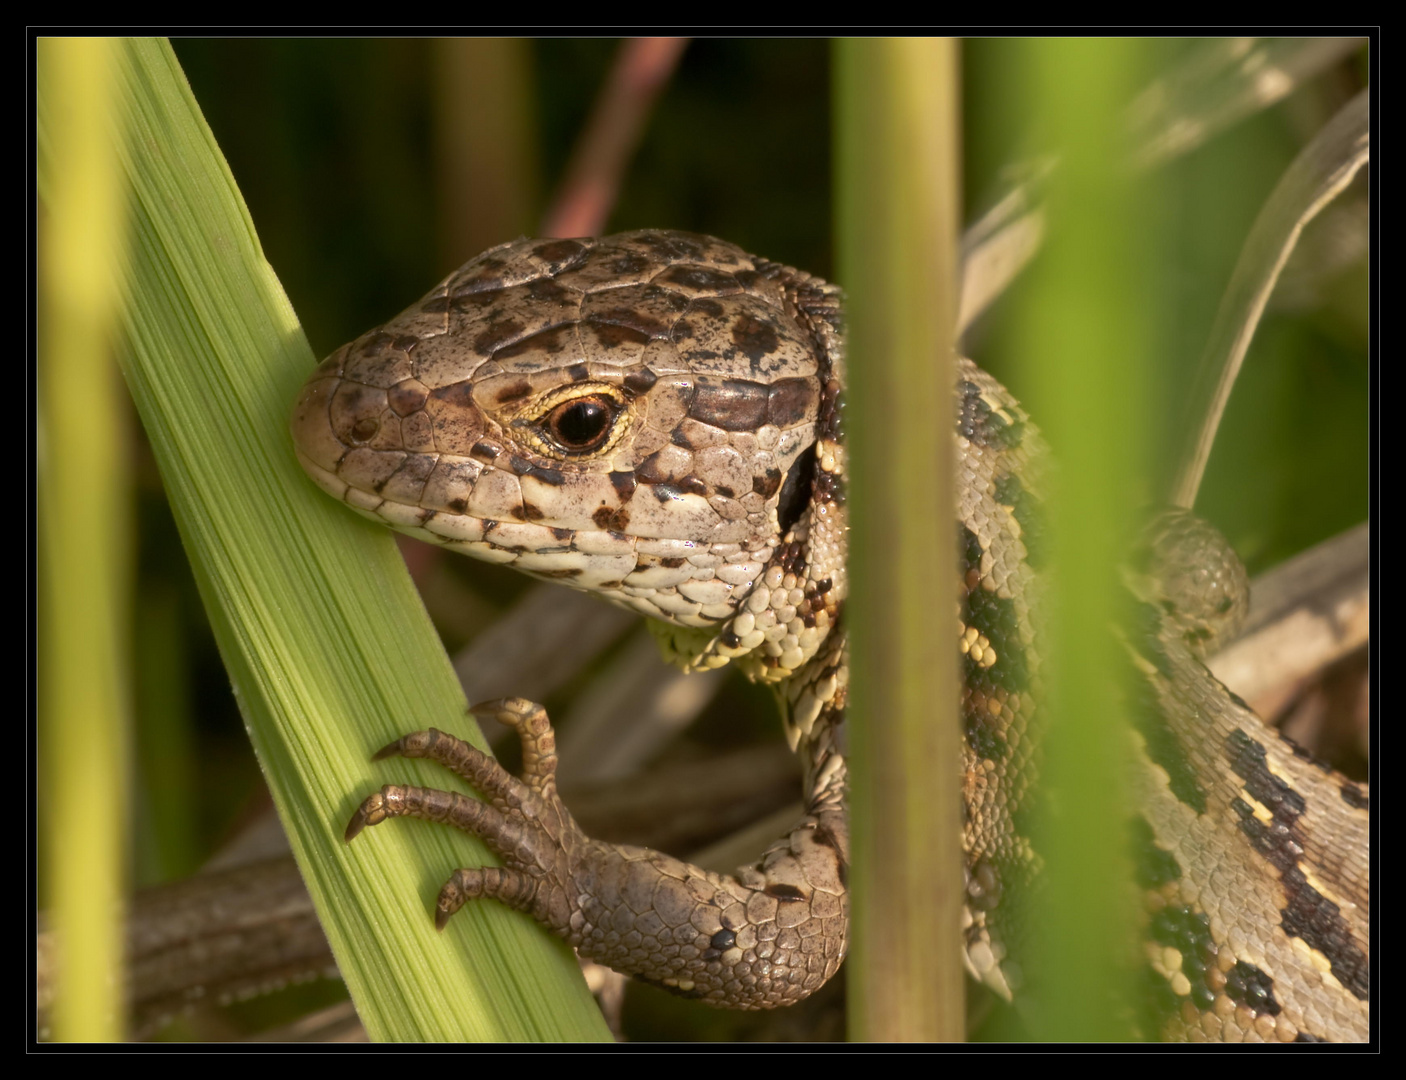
[{"x": 769, "y": 937}]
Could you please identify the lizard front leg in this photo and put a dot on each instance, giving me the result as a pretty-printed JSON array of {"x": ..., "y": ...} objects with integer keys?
[{"x": 767, "y": 937}]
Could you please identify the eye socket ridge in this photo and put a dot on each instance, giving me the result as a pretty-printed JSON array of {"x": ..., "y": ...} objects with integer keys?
[{"x": 581, "y": 424}]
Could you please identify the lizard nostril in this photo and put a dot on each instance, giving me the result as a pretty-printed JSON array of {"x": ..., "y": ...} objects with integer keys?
[{"x": 364, "y": 430}]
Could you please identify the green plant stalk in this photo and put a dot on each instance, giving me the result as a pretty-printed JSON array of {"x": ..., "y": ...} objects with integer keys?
[
  {"x": 1084, "y": 336},
  {"x": 85, "y": 539},
  {"x": 897, "y": 169},
  {"x": 328, "y": 648}
]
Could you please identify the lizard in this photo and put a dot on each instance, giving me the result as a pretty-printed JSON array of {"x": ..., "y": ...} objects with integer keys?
[{"x": 656, "y": 417}]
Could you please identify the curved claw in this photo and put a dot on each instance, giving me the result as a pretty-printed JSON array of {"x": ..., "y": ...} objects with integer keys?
[{"x": 372, "y": 811}]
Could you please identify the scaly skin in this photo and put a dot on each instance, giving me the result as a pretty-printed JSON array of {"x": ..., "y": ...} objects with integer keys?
[{"x": 655, "y": 417}]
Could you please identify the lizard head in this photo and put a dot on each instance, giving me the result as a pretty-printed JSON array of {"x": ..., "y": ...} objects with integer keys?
[{"x": 634, "y": 415}]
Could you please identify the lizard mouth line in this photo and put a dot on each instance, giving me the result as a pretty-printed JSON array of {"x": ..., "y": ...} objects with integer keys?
[{"x": 676, "y": 580}]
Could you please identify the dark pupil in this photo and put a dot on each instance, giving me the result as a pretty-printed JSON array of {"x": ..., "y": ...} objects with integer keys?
[{"x": 581, "y": 423}]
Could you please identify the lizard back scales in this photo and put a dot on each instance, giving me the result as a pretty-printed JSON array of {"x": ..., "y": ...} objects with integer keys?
[{"x": 655, "y": 417}]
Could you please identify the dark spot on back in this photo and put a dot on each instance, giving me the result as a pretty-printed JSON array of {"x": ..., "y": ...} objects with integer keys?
[
  {"x": 1247, "y": 985},
  {"x": 969, "y": 568},
  {"x": 1158, "y": 1002},
  {"x": 981, "y": 424},
  {"x": 1189, "y": 932},
  {"x": 756, "y": 339},
  {"x": 1028, "y": 513},
  {"x": 1163, "y": 746},
  {"x": 1151, "y": 864},
  {"x": 1247, "y": 761},
  {"x": 997, "y": 620},
  {"x": 981, "y": 730},
  {"x": 1145, "y": 625},
  {"x": 1308, "y": 914}
]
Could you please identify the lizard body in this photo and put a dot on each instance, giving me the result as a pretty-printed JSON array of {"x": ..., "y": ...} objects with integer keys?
[{"x": 655, "y": 417}]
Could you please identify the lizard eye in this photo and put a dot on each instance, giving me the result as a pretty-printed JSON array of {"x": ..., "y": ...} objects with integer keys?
[{"x": 582, "y": 424}]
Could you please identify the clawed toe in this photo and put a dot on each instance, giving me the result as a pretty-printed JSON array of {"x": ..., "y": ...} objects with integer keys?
[{"x": 372, "y": 811}]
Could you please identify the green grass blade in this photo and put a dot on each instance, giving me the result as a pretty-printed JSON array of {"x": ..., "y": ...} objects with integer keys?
[
  {"x": 327, "y": 646},
  {"x": 1320, "y": 173}
]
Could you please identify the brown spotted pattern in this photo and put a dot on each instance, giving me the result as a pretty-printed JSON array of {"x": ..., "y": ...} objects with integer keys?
[
  {"x": 999, "y": 458},
  {"x": 655, "y": 416},
  {"x": 1259, "y": 918}
]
